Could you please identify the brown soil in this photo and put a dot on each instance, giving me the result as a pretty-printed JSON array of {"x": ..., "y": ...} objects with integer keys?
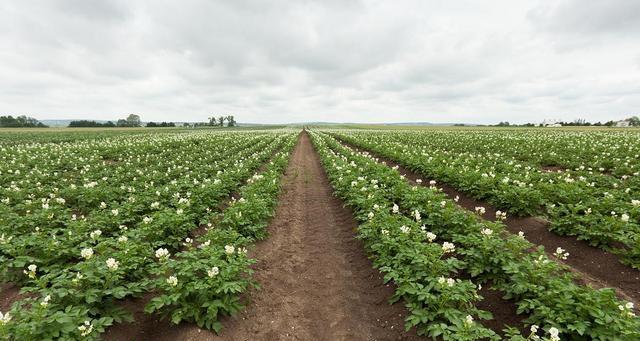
[
  {"x": 595, "y": 266},
  {"x": 552, "y": 169},
  {"x": 9, "y": 294},
  {"x": 317, "y": 283}
]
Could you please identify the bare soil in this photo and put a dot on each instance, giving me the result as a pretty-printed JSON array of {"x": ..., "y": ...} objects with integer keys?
[
  {"x": 9, "y": 294},
  {"x": 317, "y": 283}
]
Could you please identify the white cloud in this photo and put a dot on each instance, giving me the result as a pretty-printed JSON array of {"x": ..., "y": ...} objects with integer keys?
[{"x": 294, "y": 61}]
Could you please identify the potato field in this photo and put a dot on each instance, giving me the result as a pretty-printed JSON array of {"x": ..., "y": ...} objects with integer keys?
[{"x": 320, "y": 234}]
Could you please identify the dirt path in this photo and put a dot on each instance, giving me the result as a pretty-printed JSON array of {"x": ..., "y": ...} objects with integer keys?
[{"x": 317, "y": 283}]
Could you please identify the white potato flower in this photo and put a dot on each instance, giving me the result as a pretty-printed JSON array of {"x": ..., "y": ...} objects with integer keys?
[
  {"x": 86, "y": 253},
  {"x": 95, "y": 234},
  {"x": 172, "y": 281},
  {"x": 162, "y": 254},
  {"x": 4, "y": 318},
  {"x": 112, "y": 264},
  {"x": 448, "y": 247},
  {"x": 229, "y": 249},
  {"x": 561, "y": 254},
  {"x": 86, "y": 328},
  {"x": 431, "y": 236},
  {"x": 213, "y": 272},
  {"x": 624, "y": 217}
]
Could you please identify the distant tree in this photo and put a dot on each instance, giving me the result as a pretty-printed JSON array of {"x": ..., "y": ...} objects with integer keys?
[
  {"x": 231, "y": 122},
  {"x": 21, "y": 121},
  {"x": 221, "y": 121},
  {"x": 134, "y": 120},
  {"x": 634, "y": 121},
  {"x": 186, "y": 125},
  {"x": 212, "y": 121},
  {"x": 610, "y": 123}
]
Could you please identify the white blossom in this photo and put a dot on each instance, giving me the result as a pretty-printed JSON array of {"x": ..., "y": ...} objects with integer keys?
[
  {"x": 405, "y": 229},
  {"x": 229, "y": 249},
  {"x": 448, "y": 247},
  {"x": 431, "y": 236},
  {"x": 561, "y": 254},
  {"x": 480, "y": 210},
  {"x": 162, "y": 254},
  {"x": 468, "y": 320},
  {"x": 172, "y": 281},
  {"x": 45, "y": 301},
  {"x": 86, "y": 328},
  {"x": 86, "y": 253},
  {"x": 416, "y": 215},
  {"x": 624, "y": 217},
  {"x": 95, "y": 234},
  {"x": 112, "y": 264},
  {"x": 31, "y": 271},
  {"x": 395, "y": 208},
  {"x": 4, "y": 318},
  {"x": 486, "y": 232},
  {"x": 213, "y": 272}
]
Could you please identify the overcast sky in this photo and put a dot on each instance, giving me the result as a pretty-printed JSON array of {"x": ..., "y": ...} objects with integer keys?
[{"x": 343, "y": 61}]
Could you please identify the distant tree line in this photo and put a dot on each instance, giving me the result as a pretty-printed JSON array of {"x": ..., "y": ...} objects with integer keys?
[
  {"x": 131, "y": 121},
  {"x": 21, "y": 121},
  {"x": 634, "y": 121},
  {"x": 90, "y": 124},
  {"x": 163, "y": 124},
  {"x": 219, "y": 121}
]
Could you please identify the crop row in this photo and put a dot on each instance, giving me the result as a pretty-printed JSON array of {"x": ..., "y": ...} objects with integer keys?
[
  {"x": 582, "y": 202},
  {"x": 78, "y": 266},
  {"x": 426, "y": 244}
]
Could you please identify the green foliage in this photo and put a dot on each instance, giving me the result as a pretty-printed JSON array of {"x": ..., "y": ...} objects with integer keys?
[{"x": 83, "y": 230}]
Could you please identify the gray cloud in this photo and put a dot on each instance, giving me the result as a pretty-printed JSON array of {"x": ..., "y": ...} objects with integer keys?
[{"x": 282, "y": 61}]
